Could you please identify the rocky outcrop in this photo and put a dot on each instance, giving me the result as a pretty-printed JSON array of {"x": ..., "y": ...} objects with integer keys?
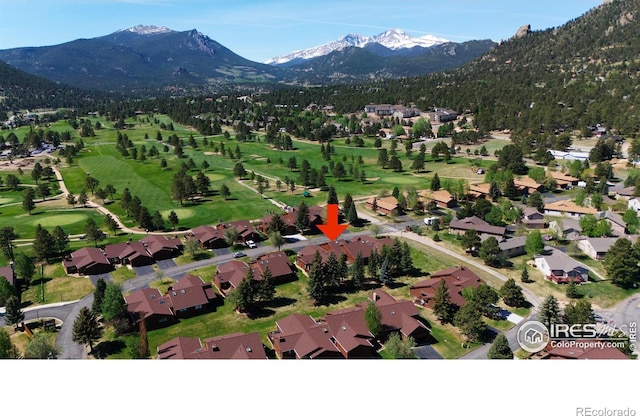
[{"x": 524, "y": 30}]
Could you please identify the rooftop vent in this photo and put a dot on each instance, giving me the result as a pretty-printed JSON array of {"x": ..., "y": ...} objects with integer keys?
[
  {"x": 183, "y": 291},
  {"x": 249, "y": 349},
  {"x": 174, "y": 293},
  {"x": 214, "y": 347}
]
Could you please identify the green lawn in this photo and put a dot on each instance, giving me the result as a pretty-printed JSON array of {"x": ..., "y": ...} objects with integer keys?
[{"x": 58, "y": 289}]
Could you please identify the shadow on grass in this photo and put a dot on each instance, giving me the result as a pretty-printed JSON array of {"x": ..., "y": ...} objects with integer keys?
[
  {"x": 106, "y": 348},
  {"x": 280, "y": 302}
]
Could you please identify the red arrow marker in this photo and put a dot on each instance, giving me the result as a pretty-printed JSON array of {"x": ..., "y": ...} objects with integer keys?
[{"x": 332, "y": 229}]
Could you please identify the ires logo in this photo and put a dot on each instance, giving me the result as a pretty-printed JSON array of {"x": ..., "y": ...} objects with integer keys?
[{"x": 564, "y": 331}]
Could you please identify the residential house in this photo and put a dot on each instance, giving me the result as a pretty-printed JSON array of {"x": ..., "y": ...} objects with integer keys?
[
  {"x": 442, "y": 198},
  {"x": 480, "y": 190},
  {"x": 351, "y": 334},
  {"x": 399, "y": 316},
  {"x": 151, "y": 305},
  {"x": 191, "y": 296},
  {"x": 229, "y": 275},
  {"x": 513, "y": 247},
  {"x": 442, "y": 115},
  {"x": 559, "y": 267},
  {"x": 290, "y": 218},
  {"x": 237, "y": 346},
  {"x": 527, "y": 186},
  {"x": 133, "y": 253},
  {"x": 563, "y": 180},
  {"x": 161, "y": 247},
  {"x": 532, "y": 218},
  {"x": 596, "y": 248},
  {"x": 87, "y": 260},
  {"x": 618, "y": 226},
  {"x": 474, "y": 223},
  {"x": 302, "y": 337},
  {"x": 363, "y": 245},
  {"x": 456, "y": 278},
  {"x": 568, "y": 228},
  {"x": 279, "y": 266},
  {"x": 214, "y": 237},
  {"x": 626, "y": 193},
  {"x": 567, "y": 208},
  {"x": 385, "y": 206}
]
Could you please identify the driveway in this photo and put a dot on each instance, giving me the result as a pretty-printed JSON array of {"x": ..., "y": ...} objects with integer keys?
[
  {"x": 165, "y": 264},
  {"x": 426, "y": 352},
  {"x": 221, "y": 251},
  {"x": 142, "y": 270},
  {"x": 104, "y": 276}
]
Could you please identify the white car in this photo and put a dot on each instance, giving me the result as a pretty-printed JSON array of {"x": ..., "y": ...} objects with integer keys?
[{"x": 251, "y": 244}]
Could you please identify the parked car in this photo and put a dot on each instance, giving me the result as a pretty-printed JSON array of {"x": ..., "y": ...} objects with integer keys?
[
  {"x": 239, "y": 254},
  {"x": 251, "y": 244}
]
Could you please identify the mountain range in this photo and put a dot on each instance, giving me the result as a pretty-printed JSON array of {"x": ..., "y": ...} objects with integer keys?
[
  {"x": 393, "y": 40},
  {"x": 149, "y": 59}
]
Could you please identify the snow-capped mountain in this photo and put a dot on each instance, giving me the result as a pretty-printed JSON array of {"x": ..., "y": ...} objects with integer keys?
[
  {"x": 393, "y": 39},
  {"x": 147, "y": 30}
]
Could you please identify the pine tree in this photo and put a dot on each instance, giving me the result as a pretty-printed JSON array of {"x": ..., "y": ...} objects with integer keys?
[
  {"x": 60, "y": 241},
  {"x": 43, "y": 244},
  {"x": 86, "y": 328},
  {"x": 525, "y": 275},
  {"x": 357, "y": 271},
  {"x": 550, "y": 311},
  {"x": 373, "y": 318},
  {"x": 113, "y": 304},
  {"x": 435, "y": 183},
  {"x": 512, "y": 294},
  {"x": 244, "y": 293},
  {"x": 98, "y": 296},
  {"x": 443, "y": 307},
  {"x": 267, "y": 288},
  {"x": 374, "y": 264},
  {"x": 316, "y": 286},
  {"x": 13, "y": 313},
  {"x": 28, "y": 204},
  {"x": 173, "y": 219},
  {"x": 500, "y": 349},
  {"x": 385, "y": 276}
]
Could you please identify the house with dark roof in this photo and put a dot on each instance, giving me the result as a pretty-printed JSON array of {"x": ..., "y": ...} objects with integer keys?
[
  {"x": 229, "y": 275},
  {"x": 597, "y": 248},
  {"x": 279, "y": 266},
  {"x": 351, "y": 334},
  {"x": 626, "y": 193},
  {"x": 211, "y": 237},
  {"x": 161, "y": 247},
  {"x": 569, "y": 228},
  {"x": 474, "y": 223},
  {"x": 399, "y": 316},
  {"x": 236, "y": 346},
  {"x": 559, "y": 267},
  {"x": 87, "y": 260},
  {"x": 456, "y": 278},
  {"x": 133, "y": 253},
  {"x": 363, "y": 245},
  {"x": 189, "y": 296},
  {"x": 532, "y": 218},
  {"x": 151, "y": 305},
  {"x": 301, "y": 337}
]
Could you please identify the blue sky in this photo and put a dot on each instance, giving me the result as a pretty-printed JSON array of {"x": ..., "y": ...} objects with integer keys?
[{"x": 259, "y": 30}]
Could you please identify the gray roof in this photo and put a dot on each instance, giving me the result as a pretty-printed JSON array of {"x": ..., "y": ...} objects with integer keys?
[
  {"x": 613, "y": 217},
  {"x": 557, "y": 260},
  {"x": 477, "y": 224},
  {"x": 602, "y": 244},
  {"x": 570, "y": 224},
  {"x": 511, "y": 243}
]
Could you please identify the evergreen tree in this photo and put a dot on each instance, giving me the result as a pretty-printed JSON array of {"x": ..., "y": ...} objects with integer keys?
[
  {"x": 13, "y": 314},
  {"x": 7, "y": 235},
  {"x": 512, "y": 294},
  {"x": 572, "y": 290},
  {"x": 490, "y": 252},
  {"x": 113, "y": 304},
  {"x": 43, "y": 244},
  {"x": 579, "y": 313},
  {"x": 374, "y": 264},
  {"x": 494, "y": 191},
  {"x": 316, "y": 286},
  {"x": 266, "y": 287},
  {"x": 173, "y": 219},
  {"x": 24, "y": 268},
  {"x": 6, "y": 291},
  {"x": 469, "y": 320},
  {"x": 98, "y": 296},
  {"x": 28, "y": 204},
  {"x": 443, "y": 307},
  {"x": 500, "y": 349},
  {"x": 7, "y": 349},
  {"x": 525, "y": 275},
  {"x": 244, "y": 293},
  {"x": 373, "y": 318},
  {"x": 93, "y": 232},
  {"x": 385, "y": 274},
  {"x": 435, "y": 183},
  {"x": 86, "y": 328},
  {"x": 60, "y": 241},
  {"x": 398, "y": 348},
  {"x": 549, "y": 311},
  {"x": 302, "y": 217},
  {"x": 534, "y": 244},
  {"x": 357, "y": 271}
]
